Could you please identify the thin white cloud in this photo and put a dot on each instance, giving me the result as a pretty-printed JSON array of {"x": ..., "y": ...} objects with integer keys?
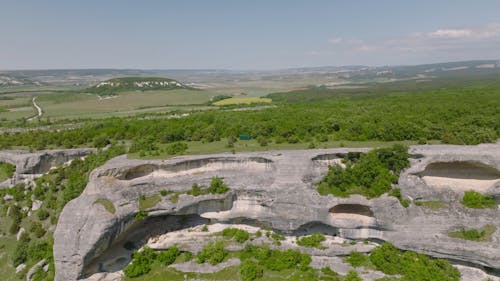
[
  {"x": 451, "y": 33},
  {"x": 344, "y": 41},
  {"x": 450, "y": 43},
  {"x": 438, "y": 40}
]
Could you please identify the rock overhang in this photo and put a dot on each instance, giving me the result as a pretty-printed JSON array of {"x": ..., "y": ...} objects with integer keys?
[{"x": 275, "y": 189}]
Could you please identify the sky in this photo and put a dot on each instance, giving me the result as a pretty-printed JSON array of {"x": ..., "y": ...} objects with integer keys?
[{"x": 244, "y": 34}]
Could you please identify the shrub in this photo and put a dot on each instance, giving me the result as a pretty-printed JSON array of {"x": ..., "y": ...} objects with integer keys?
[
  {"x": 371, "y": 175},
  {"x": 164, "y": 192},
  {"x": 37, "y": 229},
  {"x": 43, "y": 214},
  {"x": 214, "y": 253},
  {"x": 311, "y": 241},
  {"x": 168, "y": 256},
  {"x": 39, "y": 251},
  {"x": 20, "y": 253},
  {"x": 6, "y": 170},
  {"x": 141, "y": 215},
  {"x": 195, "y": 190},
  {"x": 239, "y": 235},
  {"x": 217, "y": 186},
  {"x": 276, "y": 260},
  {"x": 476, "y": 200},
  {"x": 412, "y": 266},
  {"x": 357, "y": 259},
  {"x": 250, "y": 270},
  {"x": 141, "y": 263},
  {"x": 177, "y": 148},
  {"x": 262, "y": 141}
]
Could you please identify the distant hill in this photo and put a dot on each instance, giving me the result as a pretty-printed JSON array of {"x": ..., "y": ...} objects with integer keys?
[
  {"x": 116, "y": 85},
  {"x": 7, "y": 81}
]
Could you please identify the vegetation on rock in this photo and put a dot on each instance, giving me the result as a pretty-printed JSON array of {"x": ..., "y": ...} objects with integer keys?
[
  {"x": 213, "y": 253},
  {"x": 371, "y": 175},
  {"x": 473, "y": 234},
  {"x": 412, "y": 266},
  {"x": 311, "y": 241},
  {"x": 476, "y": 200}
]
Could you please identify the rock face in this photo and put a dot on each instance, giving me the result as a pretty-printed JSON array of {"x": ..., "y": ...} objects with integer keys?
[
  {"x": 30, "y": 165},
  {"x": 276, "y": 189}
]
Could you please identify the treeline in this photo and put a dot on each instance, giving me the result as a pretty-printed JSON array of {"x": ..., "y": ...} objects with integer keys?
[{"x": 460, "y": 116}]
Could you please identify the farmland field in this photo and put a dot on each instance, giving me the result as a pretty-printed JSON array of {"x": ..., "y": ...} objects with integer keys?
[
  {"x": 243, "y": 101},
  {"x": 82, "y": 105}
]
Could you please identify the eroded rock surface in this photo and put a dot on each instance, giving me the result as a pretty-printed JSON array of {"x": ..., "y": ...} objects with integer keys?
[
  {"x": 30, "y": 165},
  {"x": 275, "y": 189}
]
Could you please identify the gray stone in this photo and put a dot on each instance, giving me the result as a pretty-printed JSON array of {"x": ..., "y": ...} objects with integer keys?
[
  {"x": 20, "y": 267},
  {"x": 276, "y": 189},
  {"x": 37, "y": 204},
  {"x": 30, "y": 165},
  {"x": 20, "y": 233},
  {"x": 33, "y": 269}
]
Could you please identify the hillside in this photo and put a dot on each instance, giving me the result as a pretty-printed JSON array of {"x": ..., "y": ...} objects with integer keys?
[
  {"x": 116, "y": 85},
  {"x": 14, "y": 81}
]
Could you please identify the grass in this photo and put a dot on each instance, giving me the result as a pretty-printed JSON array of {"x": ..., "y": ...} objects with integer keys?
[
  {"x": 479, "y": 235},
  {"x": 6, "y": 171},
  {"x": 108, "y": 205},
  {"x": 433, "y": 205},
  {"x": 146, "y": 202},
  {"x": 245, "y": 100}
]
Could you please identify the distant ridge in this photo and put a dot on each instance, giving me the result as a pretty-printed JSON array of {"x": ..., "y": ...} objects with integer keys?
[{"x": 116, "y": 85}]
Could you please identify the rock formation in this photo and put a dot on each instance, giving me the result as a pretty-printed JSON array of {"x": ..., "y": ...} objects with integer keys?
[
  {"x": 30, "y": 165},
  {"x": 276, "y": 189}
]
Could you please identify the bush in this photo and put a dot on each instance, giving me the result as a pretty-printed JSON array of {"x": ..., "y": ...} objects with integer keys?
[
  {"x": 177, "y": 148},
  {"x": 238, "y": 234},
  {"x": 37, "y": 229},
  {"x": 195, "y": 190},
  {"x": 168, "y": 256},
  {"x": 214, "y": 253},
  {"x": 412, "y": 266},
  {"x": 165, "y": 192},
  {"x": 357, "y": 259},
  {"x": 39, "y": 251},
  {"x": 250, "y": 270},
  {"x": 20, "y": 253},
  {"x": 476, "y": 200},
  {"x": 262, "y": 141},
  {"x": 217, "y": 186},
  {"x": 276, "y": 260},
  {"x": 141, "y": 263},
  {"x": 141, "y": 215},
  {"x": 43, "y": 214},
  {"x": 369, "y": 174},
  {"x": 311, "y": 241}
]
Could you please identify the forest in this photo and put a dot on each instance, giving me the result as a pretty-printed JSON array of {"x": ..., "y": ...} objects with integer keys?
[{"x": 468, "y": 115}]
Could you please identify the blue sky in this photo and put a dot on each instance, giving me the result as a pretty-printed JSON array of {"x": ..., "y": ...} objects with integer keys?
[{"x": 234, "y": 34}]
